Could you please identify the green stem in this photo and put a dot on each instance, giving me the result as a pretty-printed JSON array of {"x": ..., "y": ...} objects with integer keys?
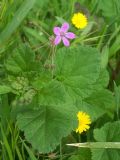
[
  {"x": 79, "y": 138},
  {"x": 52, "y": 59},
  {"x": 99, "y": 46},
  {"x": 61, "y": 151}
]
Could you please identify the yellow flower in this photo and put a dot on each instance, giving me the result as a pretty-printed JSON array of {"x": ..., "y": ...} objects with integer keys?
[
  {"x": 79, "y": 20},
  {"x": 84, "y": 122}
]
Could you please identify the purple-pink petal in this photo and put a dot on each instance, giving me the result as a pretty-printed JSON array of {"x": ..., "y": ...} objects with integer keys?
[
  {"x": 70, "y": 35},
  {"x": 57, "y": 31},
  {"x": 57, "y": 40},
  {"x": 65, "y": 27},
  {"x": 65, "y": 41}
]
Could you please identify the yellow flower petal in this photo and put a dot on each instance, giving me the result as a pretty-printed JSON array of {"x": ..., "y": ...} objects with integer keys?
[
  {"x": 84, "y": 122},
  {"x": 79, "y": 20}
]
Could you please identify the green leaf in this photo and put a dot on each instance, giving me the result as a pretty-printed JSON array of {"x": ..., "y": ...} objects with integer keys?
[
  {"x": 20, "y": 60},
  {"x": 20, "y": 14},
  {"x": 4, "y": 89},
  {"x": 78, "y": 69},
  {"x": 81, "y": 154},
  {"x": 53, "y": 93},
  {"x": 45, "y": 126},
  {"x": 99, "y": 103},
  {"x": 107, "y": 6},
  {"x": 102, "y": 81},
  {"x": 110, "y": 132},
  {"x": 52, "y": 117}
]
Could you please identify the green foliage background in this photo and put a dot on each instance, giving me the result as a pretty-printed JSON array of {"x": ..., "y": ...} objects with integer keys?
[{"x": 42, "y": 87}]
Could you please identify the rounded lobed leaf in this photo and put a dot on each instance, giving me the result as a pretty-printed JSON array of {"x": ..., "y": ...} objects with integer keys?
[
  {"x": 78, "y": 69},
  {"x": 45, "y": 126}
]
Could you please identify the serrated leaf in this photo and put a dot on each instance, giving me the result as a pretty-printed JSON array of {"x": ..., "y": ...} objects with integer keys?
[
  {"x": 102, "y": 81},
  {"x": 20, "y": 60},
  {"x": 110, "y": 132},
  {"x": 45, "y": 126},
  {"x": 53, "y": 116},
  {"x": 78, "y": 69},
  {"x": 99, "y": 103},
  {"x": 104, "y": 98},
  {"x": 53, "y": 94}
]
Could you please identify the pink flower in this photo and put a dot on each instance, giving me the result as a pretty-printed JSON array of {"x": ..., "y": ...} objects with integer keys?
[{"x": 62, "y": 34}]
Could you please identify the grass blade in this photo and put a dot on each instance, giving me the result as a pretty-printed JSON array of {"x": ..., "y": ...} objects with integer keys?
[
  {"x": 20, "y": 14},
  {"x": 6, "y": 144},
  {"x": 115, "y": 145},
  {"x": 30, "y": 152},
  {"x": 18, "y": 153}
]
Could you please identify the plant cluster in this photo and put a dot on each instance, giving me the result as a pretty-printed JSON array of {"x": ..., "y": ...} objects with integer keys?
[{"x": 52, "y": 93}]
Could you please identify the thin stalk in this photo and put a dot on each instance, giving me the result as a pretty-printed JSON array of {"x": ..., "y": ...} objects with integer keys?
[
  {"x": 99, "y": 46},
  {"x": 117, "y": 99},
  {"x": 79, "y": 138},
  {"x": 40, "y": 46},
  {"x": 61, "y": 151},
  {"x": 52, "y": 59}
]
